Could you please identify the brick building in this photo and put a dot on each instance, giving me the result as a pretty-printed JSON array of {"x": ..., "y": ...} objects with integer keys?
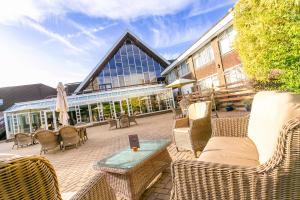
[{"x": 211, "y": 60}]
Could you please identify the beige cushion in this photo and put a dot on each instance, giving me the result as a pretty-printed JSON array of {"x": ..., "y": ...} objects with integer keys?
[
  {"x": 231, "y": 151},
  {"x": 181, "y": 130},
  {"x": 198, "y": 110},
  {"x": 270, "y": 111}
]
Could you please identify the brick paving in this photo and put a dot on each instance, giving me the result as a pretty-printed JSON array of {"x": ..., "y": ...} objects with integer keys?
[{"x": 74, "y": 167}]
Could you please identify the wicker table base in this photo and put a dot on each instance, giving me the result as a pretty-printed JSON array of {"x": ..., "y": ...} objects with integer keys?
[{"x": 132, "y": 182}]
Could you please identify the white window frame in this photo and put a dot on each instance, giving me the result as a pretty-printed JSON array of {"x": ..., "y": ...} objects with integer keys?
[
  {"x": 226, "y": 40},
  {"x": 205, "y": 56},
  {"x": 181, "y": 67},
  {"x": 211, "y": 77},
  {"x": 232, "y": 71}
]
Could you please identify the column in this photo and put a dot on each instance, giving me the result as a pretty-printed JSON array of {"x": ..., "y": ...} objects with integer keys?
[
  {"x": 218, "y": 61},
  {"x": 29, "y": 122},
  {"x": 54, "y": 120},
  {"x": 128, "y": 107},
  {"x": 90, "y": 113},
  {"x": 6, "y": 125},
  {"x": 140, "y": 105}
]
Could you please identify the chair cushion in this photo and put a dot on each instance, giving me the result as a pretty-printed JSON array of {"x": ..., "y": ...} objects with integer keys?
[
  {"x": 230, "y": 150},
  {"x": 270, "y": 111},
  {"x": 198, "y": 110},
  {"x": 181, "y": 130}
]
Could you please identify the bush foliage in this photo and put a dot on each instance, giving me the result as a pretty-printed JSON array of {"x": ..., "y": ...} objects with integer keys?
[{"x": 268, "y": 42}]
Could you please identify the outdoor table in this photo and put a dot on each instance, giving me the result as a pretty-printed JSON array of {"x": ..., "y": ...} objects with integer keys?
[{"x": 129, "y": 173}]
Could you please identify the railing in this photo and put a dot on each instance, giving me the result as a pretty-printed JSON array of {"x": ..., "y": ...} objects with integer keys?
[{"x": 234, "y": 94}]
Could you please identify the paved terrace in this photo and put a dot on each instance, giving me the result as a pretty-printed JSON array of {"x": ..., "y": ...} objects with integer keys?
[{"x": 74, "y": 167}]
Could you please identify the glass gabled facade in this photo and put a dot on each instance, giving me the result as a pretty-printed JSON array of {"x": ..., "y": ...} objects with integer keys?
[{"x": 129, "y": 66}]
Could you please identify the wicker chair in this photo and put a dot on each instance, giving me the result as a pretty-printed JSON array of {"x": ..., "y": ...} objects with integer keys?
[
  {"x": 82, "y": 132},
  {"x": 132, "y": 118},
  {"x": 22, "y": 139},
  {"x": 69, "y": 136},
  {"x": 124, "y": 121},
  {"x": 177, "y": 113},
  {"x": 192, "y": 133},
  {"x": 33, "y": 177},
  {"x": 184, "y": 105},
  {"x": 48, "y": 140},
  {"x": 112, "y": 123},
  {"x": 255, "y": 159}
]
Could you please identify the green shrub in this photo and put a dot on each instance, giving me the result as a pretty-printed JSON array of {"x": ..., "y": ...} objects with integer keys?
[{"x": 268, "y": 42}]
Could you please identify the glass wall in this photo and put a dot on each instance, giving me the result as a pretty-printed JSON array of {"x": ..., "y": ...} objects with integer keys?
[
  {"x": 84, "y": 112},
  {"x": 183, "y": 69},
  {"x": 129, "y": 66},
  {"x": 35, "y": 119}
]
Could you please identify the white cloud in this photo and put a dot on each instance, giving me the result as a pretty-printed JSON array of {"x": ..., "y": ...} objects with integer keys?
[
  {"x": 204, "y": 7},
  {"x": 50, "y": 34},
  {"x": 169, "y": 33},
  {"x": 170, "y": 56},
  {"x": 14, "y": 10}
]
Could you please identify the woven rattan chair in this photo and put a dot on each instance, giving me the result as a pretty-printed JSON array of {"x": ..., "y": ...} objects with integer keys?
[
  {"x": 256, "y": 158},
  {"x": 177, "y": 113},
  {"x": 82, "y": 131},
  {"x": 22, "y": 139},
  {"x": 69, "y": 136},
  {"x": 124, "y": 121},
  {"x": 47, "y": 139},
  {"x": 34, "y": 178},
  {"x": 132, "y": 118},
  {"x": 193, "y": 132},
  {"x": 184, "y": 105}
]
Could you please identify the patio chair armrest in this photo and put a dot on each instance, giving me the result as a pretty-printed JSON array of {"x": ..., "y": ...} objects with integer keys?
[
  {"x": 231, "y": 127},
  {"x": 179, "y": 123},
  {"x": 202, "y": 180},
  {"x": 97, "y": 188},
  {"x": 201, "y": 122}
]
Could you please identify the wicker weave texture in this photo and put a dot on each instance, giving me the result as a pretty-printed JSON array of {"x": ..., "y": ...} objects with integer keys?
[
  {"x": 70, "y": 136},
  {"x": 47, "y": 139},
  {"x": 279, "y": 178}
]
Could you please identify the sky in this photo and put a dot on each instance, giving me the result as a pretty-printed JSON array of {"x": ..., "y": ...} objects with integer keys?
[{"x": 51, "y": 41}]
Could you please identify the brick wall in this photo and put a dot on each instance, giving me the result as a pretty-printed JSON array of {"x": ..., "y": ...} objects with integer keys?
[
  {"x": 206, "y": 70},
  {"x": 231, "y": 59}
]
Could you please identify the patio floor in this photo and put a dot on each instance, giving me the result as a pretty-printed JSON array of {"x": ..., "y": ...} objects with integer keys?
[{"x": 74, "y": 167}]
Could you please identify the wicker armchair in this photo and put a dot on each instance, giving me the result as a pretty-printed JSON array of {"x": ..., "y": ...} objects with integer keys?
[
  {"x": 81, "y": 127},
  {"x": 184, "y": 105},
  {"x": 255, "y": 159},
  {"x": 48, "y": 140},
  {"x": 124, "y": 121},
  {"x": 33, "y": 177},
  {"x": 22, "y": 139},
  {"x": 177, "y": 113},
  {"x": 132, "y": 118},
  {"x": 112, "y": 123},
  {"x": 192, "y": 133},
  {"x": 69, "y": 136}
]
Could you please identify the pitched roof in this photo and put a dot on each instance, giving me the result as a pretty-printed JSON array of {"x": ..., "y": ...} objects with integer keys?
[
  {"x": 22, "y": 93},
  {"x": 216, "y": 29},
  {"x": 126, "y": 35}
]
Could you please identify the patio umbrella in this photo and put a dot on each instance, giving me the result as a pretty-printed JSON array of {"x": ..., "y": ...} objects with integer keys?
[
  {"x": 180, "y": 82},
  {"x": 62, "y": 104}
]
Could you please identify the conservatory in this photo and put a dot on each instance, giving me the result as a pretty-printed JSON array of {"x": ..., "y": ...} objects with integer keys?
[{"x": 91, "y": 108}]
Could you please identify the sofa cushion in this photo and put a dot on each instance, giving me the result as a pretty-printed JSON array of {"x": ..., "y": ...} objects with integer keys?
[
  {"x": 230, "y": 150},
  {"x": 270, "y": 111}
]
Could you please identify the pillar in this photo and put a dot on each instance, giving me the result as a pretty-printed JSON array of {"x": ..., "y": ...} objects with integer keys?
[{"x": 218, "y": 60}]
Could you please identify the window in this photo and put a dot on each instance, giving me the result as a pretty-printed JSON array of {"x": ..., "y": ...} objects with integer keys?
[
  {"x": 183, "y": 69},
  {"x": 172, "y": 76},
  {"x": 226, "y": 40},
  {"x": 204, "y": 56},
  {"x": 1, "y": 102},
  {"x": 234, "y": 74},
  {"x": 209, "y": 82}
]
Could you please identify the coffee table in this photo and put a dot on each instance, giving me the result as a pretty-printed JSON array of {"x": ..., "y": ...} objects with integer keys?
[{"x": 129, "y": 173}]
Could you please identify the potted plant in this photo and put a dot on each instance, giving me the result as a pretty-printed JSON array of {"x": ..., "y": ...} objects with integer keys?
[
  {"x": 229, "y": 106},
  {"x": 247, "y": 104}
]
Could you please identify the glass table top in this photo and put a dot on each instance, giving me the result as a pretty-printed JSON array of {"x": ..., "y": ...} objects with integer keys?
[{"x": 126, "y": 158}]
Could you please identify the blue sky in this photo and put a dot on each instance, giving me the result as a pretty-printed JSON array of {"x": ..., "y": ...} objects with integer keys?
[{"x": 47, "y": 41}]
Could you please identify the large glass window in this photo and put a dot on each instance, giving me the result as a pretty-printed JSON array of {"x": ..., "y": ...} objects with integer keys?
[
  {"x": 235, "y": 74},
  {"x": 183, "y": 69},
  {"x": 204, "y": 56},
  {"x": 226, "y": 40},
  {"x": 172, "y": 76},
  {"x": 129, "y": 66},
  {"x": 209, "y": 82}
]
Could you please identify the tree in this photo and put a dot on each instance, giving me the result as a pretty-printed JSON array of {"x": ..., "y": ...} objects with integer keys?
[{"x": 268, "y": 42}]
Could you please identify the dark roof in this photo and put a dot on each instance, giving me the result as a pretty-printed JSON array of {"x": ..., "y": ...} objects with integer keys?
[
  {"x": 71, "y": 87},
  {"x": 127, "y": 35},
  {"x": 22, "y": 93},
  {"x": 172, "y": 60}
]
